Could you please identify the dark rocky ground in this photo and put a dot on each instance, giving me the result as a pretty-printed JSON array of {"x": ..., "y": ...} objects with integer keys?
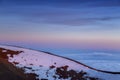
[{"x": 8, "y": 71}]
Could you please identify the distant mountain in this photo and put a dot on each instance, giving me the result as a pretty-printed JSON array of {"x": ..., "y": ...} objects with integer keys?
[{"x": 17, "y": 63}]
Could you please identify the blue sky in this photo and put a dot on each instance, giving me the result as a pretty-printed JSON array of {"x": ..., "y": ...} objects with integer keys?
[{"x": 78, "y": 23}]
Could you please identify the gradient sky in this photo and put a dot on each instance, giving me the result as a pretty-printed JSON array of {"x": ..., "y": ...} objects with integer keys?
[{"x": 88, "y": 24}]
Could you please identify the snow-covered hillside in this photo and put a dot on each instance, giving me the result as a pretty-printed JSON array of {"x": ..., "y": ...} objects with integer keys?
[{"x": 48, "y": 66}]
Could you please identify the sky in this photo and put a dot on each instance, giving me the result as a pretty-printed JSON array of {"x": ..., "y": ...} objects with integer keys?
[{"x": 85, "y": 24}]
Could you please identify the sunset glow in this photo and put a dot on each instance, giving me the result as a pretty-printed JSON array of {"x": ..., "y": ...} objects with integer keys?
[{"x": 88, "y": 24}]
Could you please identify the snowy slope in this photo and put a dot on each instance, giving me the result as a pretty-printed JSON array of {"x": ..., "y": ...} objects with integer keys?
[{"x": 46, "y": 65}]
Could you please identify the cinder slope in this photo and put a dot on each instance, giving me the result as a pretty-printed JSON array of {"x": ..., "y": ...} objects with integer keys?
[{"x": 9, "y": 72}]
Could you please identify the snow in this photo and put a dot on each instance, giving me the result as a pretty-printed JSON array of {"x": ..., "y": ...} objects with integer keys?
[
  {"x": 4, "y": 51},
  {"x": 39, "y": 62},
  {"x": 38, "y": 59}
]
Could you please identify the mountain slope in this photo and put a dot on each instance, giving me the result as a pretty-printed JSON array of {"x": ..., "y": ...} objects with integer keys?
[
  {"x": 10, "y": 72},
  {"x": 47, "y": 66}
]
